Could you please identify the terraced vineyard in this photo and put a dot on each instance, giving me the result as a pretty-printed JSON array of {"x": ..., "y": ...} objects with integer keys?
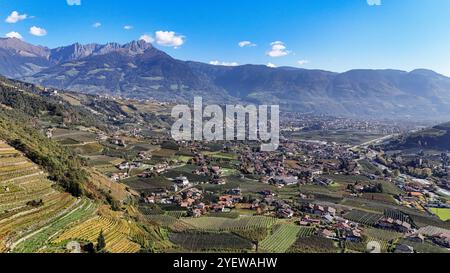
[
  {"x": 283, "y": 237},
  {"x": 398, "y": 215},
  {"x": 118, "y": 234},
  {"x": 432, "y": 231},
  {"x": 31, "y": 210},
  {"x": 223, "y": 224},
  {"x": 32, "y": 243},
  {"x": 363, "y": 217}
]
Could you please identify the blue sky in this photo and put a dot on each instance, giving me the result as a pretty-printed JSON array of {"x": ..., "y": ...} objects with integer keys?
[{"x": 335, "y": 35}]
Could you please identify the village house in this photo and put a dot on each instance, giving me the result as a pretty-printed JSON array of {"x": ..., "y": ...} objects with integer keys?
[
  {"x": 216, "y": 170},
  {"x": 229, "y": 200},
  {"x": 285, "y": 180},
  {"x": 235, "y": 191},
  {"x": 145, "y": 174},
  {"x": 267, "y": 193},
  {"x": 398, "y": 225},
  {"x": 327, "y": 218},
  {"x": 319, "y": 210},
  {"x": 328, "y": 234},
  {"x": 416, "y": 237},
  {"x": 119, "y": 176},
  {"x": 123, "y": 166},
  {"x": 308, "y": 221},
  {"x": 323, "y": 181},
  {"x": 160, "y": 168},
  {"x": 181, "y": 181},
  {"x": 187, "y": 203},
  {"x": 144, "y": 156},
  {"x": 285, "y": 213},
  {"x": 402, "y": 248},
  {"x": 442, "y": 240},
  {"x": 353, "y": 236},
  {"x": 217, "y": 208}
]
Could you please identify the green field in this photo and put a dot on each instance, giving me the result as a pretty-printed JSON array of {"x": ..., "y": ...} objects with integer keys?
[
  {"x": 220, "y": 155},
  {"x": 443, "y": 214},
  {"x": 282, "y": 238}
]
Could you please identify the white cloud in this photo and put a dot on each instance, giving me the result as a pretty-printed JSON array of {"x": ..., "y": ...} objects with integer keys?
[
  {"x": 74, "y": 2},
  {"x": 278, "y": 49},
  {"x": 374, "y": 2},
  {"x": 15, "y": 17},
  {"x": 97, "y": 25},
  {"x": 14, "y": 34},
  {"x": 303, "y": 62},
  {"x": 246, "y": 44},
  {"x": 37, "y": 31},
  {"x": 271, "y": 65},
  {"x": 223, "y": 63},
  {"x": 127, "y": 27},
  {"x": 169, "y": 38},
  {"x": 147, "y": 38}
]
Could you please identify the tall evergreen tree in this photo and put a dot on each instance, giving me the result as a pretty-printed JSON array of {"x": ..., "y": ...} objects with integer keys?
[{"x": 101, "y": 243}]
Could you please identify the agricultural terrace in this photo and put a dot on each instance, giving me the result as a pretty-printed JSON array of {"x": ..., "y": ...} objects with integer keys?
[
  {"x": 283, "y": 237},
  {"x": 432, "y": 231},
  {"x": 40, "y": 238},
  {"x": 31, "y": 210},
  {"x": 363, "y": 217},
  {"x": 120, "y": 235}
]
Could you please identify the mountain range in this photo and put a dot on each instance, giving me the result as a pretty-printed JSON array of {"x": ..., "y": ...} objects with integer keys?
[{"x": 139, "y": 70}]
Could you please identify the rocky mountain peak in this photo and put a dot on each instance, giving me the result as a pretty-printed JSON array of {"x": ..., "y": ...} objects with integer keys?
[{"x": 22, "y": 48}]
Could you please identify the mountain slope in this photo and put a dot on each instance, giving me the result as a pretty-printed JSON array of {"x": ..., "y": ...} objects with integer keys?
[
  {"x": 437, "y": 137},
  {"x": 138, "y": 70},
  {"x": 150, "y": 73},
  {"x": 39, "y": 180},
  {"x": 29, "y": 193},
  {"x": 18, "y": 59}
]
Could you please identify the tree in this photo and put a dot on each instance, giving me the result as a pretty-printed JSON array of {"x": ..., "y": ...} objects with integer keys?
[
  {"x": 101, "y": 243},
  {"x": 380, "y": 188},
  {"x": 427, "y": 172}
]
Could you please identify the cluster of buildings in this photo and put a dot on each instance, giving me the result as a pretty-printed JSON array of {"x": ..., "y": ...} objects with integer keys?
[
  {"x": 440, "y": 239},
  {"x": 295, "y": 122},
  {"x": 300, "y": 162},
  {"x": 395, "y": 224},
  {"x": 331, "y": 225}
]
